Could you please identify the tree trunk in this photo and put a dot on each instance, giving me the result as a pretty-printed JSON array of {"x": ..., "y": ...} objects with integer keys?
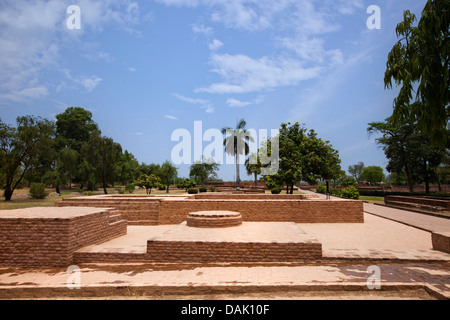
[
  {"x": 438, "y": 179},
  {"x": 168, "y": 187},
  {"x": 104, "y": 186},
  {"x": 292, "y": 189},
  {"x": 57, "y": 189},
  {"x": 256, "y": 180},
  {"x": 8, "y": 193},
  {"x": 408, "y": 177}
]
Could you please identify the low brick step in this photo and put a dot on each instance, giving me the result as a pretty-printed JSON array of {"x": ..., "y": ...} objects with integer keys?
[
  {"x": 104, "y": 257},
  {"x": 115, "y": 218},
  {"x": 415, "y": 205},
  {"x": 143, "y": 222},
  {"x": 115, "y": 223}
]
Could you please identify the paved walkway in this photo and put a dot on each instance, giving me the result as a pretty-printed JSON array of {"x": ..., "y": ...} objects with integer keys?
[
  {"x": 414, "y": 219},
  {"x": 418, "y": 220}
]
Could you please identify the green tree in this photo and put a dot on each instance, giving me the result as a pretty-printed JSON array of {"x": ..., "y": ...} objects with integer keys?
[
  {"x": 373, "y": 174},
  {"x": 20, "y": 147},
  {"x": 253, "y": 166},
  {"x": 237, "y": 143},
  {"x": 419, "y": 64},
  {"x": 186, "y": 184},
  {"x": 203, "y": 170},
  {"x": 74, "y": 127},
  {"x": 356, "y": 170},
  {"x": 305, "y": 157},
  {"x": 68, "y": 164},
  {"x": 148, "y": 182},
  {"x": 168, "y": 173},
  {"x": 128, "y": 168},
  {"x": 103, "y": 154},
  {"x": 409, "y": 152}
]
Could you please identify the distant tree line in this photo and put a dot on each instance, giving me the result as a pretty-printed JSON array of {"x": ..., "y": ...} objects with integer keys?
[{"x": 68, "y": 151}]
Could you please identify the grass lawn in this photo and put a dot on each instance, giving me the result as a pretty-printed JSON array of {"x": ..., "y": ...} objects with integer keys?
[
  {"x": 372, "y": 199},
  {"x": 21, "y": 203}
]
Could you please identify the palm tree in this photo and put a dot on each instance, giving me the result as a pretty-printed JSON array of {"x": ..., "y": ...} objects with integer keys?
[{"x": 236, "y": 143}]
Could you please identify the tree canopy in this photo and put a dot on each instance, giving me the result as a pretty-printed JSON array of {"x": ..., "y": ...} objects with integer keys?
[
  {"x": 305, "y": 157},
  {"x": 419, "y": 64}
]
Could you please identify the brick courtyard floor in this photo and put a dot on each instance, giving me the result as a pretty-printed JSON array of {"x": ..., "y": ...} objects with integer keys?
[
  {"x": 404, "y": 255},
  {"x": 398, "y": 242}
]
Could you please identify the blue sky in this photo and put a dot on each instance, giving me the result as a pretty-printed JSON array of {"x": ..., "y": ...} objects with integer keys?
[{"x": 147, "y": 68}]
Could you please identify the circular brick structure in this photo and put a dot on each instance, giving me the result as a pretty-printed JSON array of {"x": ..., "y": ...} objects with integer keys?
[{"x": 214, "y": 219}]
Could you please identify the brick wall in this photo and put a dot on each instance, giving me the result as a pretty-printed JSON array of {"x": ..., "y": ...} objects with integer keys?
[
  {"x": 194, "y": 252},
  {"x": 298, "y": 211},
  {"x": 137, "y": 210},
  {"x": 174, "y": 210},
  {"x": 50, "y": 241},
  {"x": 227, "y": 196},
  {"x": 441, "y": 241}
]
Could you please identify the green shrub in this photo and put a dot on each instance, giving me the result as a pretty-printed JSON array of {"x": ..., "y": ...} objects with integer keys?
[
  {"x": 276, "y": 190},
  {"x": 193, "y": 191},
  {"x": 120, "y": 190},
  {"x": 203, "y": 190},
  {"x": 212, "y": 189},
  {"x": 350, "y": 193},
  {"x": 130, "y": 188},
  {"x": 37, "y": 191},
  {"x": 161, "y": 187},
  {"x": 321, "y": 189}
]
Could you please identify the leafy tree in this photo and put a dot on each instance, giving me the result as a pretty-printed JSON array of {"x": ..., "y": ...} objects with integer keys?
[
  {"x": 148, "y": 182},
  {"x": 409, "y": 152},
  {"x": 128, "y": 168},
  {"x": 305, "y": 157},
  {"x": 254, "y": 166},
  {"x": 356, "y": 170},
  {"x": 186, "y": 184},
  {"x": 419, "y": 63},
  {"x": 203, "y": 170},
  {"x": 149, "y": 169},
  {"x": 237, "y": 143},
  {"x": 373, "y": 175},
  {"x": 20, "y": 147},
  {"x": 168, "y": 172},
  {"x": 68, "y": 164},
  {"x": 102, "y": 156},
  {"x": 74, "y": 127}
]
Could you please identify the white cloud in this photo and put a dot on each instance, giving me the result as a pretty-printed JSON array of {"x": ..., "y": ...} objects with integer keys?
[
  {"x": 215, "y": 45},
  {"x": 171, "y": 117},
  {"x": 132, "y": 69},
  {"x": 25, "y": 94},
  {"x": 202, "y": 29},
  {"x": 204, "y": 104},
  {"x": 243, "y": 74},
  {"x": 33, "y": 34},
  {"x": 235, "y": 103},
  {"x": 90, "y": 83}
]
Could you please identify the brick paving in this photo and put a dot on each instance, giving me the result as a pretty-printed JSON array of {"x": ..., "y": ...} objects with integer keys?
[{"x": 403, "y": 253}]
